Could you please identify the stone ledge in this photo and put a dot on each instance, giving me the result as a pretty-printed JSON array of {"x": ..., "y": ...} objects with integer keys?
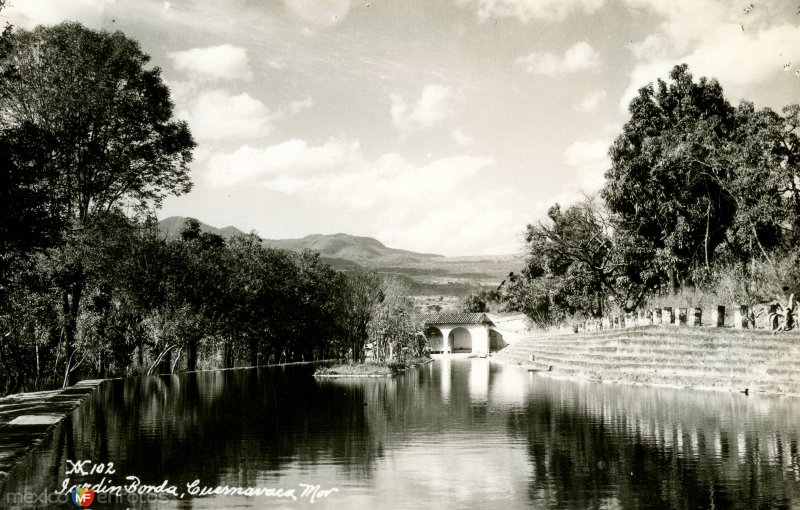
[{"x": 27, "y": 418}]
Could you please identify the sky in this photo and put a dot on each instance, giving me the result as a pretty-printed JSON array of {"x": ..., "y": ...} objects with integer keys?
[{"x": 442, "y": 126}]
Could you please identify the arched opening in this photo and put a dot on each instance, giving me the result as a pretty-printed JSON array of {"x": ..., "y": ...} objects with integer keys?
[
  {"x": 496, "y": 341},
  {"x": 461, "y": 340},
  {"x": 435, "y": 339}
]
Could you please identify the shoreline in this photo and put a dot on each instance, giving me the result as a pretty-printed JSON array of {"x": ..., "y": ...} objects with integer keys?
[{"x": 560, "y": 376}]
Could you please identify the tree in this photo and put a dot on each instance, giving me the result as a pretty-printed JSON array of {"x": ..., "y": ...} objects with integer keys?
[
  {"x": 478, "y": 302},
  {"x": 394, "y": 324},
  {"x": 759, "y": 169},
  {"x": 569, "y": 263},
  {"x": 111, "y": 138},
  {"x": 196, "y": 285},
  {"x": 29, "y": 221},
  {"x": 317, "y": 319},
  {"x": 697, "y": 184},
  {"x": 526, "y": 293},
  {"x": 362, "y": 291},
  {"x": 574, "y": 247},
  {"x": 578, "y": 265},
  {"x": 658, "y": 188}
]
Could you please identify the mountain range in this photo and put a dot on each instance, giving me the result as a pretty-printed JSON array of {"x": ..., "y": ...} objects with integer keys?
[
  {"x": 423, "y": 273},
  {"x": 361, "y": 250}
]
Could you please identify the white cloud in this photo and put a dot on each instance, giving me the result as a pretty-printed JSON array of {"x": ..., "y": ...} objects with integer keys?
[
  {"x": 579, "y": 57},
  {"x": 565, "y": 198},
  {"x": 29, "y": 13},
  {"x": 462, "y": 227},
  {"x": 400, "y": 201},
  {"x": 431, "y": 108},
  {"x": 688, "y": 19},
  {"x": 525, "y": 10},
  {"x": 338, "y": 170},
  {"x": 716, "y": 40},
  {"x": 284, "y": 166},
  {"x": 461, "y": 138},
  {"x": 223, "y": 62},
  {"x": 591, "y": 101},
  {"x": 742, "y": 58},
  {"x": 653, "y": 47},
  {"x": 277, "y": 63},
  {"x": 298, "y": 106},
  {"x": 590, "y": 159},
  {"x": 219, "y": 115}
]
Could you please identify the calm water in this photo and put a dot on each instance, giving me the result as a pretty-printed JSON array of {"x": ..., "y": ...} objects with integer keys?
[{"x": 458, "y": 434}]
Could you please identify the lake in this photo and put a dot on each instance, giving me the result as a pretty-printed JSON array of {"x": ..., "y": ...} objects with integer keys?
[{"x": 468, "y": 433}]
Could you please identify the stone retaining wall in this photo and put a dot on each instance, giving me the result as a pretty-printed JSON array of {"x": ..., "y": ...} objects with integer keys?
[{"x": 737, "y": 317}]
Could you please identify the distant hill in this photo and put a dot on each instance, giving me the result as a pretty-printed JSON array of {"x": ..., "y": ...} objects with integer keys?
[
  {"x": 423, "y": 273},
  {"x": 362, "y": 250},
  {"x": 171, "y": 228}
]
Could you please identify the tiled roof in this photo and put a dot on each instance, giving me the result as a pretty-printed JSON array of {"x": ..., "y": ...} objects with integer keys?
[{"x": 455, "y": 318}]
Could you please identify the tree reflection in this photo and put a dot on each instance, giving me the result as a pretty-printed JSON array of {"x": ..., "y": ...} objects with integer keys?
[
  {"x": 601, "y": 446},
  {"x": 232, "y": 427}
]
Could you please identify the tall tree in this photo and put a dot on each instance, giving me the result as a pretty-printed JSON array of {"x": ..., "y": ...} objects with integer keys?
[
  {"x": 658, "y": 187},
  {"x": 363, "y": 289},
  {"x": 394, "y": 324},
  {"x": 27, "y": 223},
  {"x": 113, "y": 140}
]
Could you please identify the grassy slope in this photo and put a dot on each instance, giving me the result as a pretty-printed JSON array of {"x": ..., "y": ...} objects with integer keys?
[{"x": 701, "y": 357}]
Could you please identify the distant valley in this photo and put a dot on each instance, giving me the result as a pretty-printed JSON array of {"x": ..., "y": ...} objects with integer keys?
[{"x": 426, "y": 274}]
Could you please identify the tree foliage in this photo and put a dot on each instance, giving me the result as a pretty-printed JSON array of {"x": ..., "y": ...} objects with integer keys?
[
  {"x": 394, "y": 327},
  {"x": 697, "y": 189},
  {"x": 657, "y": 187},
  {"x": 106, "y": 119},
  {"x": 575, "y": 266},
  {"x": 104, "y": 135}
]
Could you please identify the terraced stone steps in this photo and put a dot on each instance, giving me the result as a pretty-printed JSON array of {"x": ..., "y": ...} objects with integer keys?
[{"x": 707, "y": 357}]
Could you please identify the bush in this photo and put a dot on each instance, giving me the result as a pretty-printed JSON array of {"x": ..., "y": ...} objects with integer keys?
[
  {"x": 738, "y": 284},
  {"x": 396, "y": 366}
]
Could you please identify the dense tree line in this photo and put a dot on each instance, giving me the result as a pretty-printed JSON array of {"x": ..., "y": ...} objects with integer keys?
[
  {"x": 89, "y": 148},
  {"x": 700, "y": 195}
]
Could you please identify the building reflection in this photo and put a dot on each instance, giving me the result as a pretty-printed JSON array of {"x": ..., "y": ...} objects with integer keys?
[{"x": 479, "y": 382}]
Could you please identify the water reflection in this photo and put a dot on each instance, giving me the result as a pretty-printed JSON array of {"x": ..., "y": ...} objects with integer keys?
[
  {"x": 595, "y": 445},
  {"x": 454, "y": 434}
]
